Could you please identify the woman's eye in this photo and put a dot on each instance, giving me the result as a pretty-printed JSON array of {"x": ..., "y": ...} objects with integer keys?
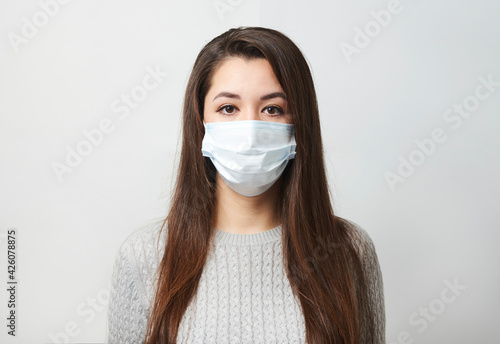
[
  {"x": 226, "y": 109},
  {"x": 273, "y": 110}
]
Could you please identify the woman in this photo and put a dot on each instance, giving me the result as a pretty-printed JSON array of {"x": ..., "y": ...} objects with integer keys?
[{"x": 251, "y": 251}]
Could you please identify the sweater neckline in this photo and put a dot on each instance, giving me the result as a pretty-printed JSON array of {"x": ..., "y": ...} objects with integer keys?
[{"x": 271, "y": 235}]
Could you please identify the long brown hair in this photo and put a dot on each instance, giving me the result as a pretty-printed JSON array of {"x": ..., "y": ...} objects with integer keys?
[{"x": 333, "y": 293}]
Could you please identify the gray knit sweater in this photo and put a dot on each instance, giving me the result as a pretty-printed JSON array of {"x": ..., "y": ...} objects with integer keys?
[{"x": 244, "y": 295}]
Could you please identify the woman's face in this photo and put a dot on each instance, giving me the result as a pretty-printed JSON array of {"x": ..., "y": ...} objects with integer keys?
[{"x": 245, "y": 90}]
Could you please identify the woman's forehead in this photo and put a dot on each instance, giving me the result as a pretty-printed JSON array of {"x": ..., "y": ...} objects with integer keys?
[{"x": 244, "y": 77}]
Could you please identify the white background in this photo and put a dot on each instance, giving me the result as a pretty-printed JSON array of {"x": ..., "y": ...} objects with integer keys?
[{"x": 439, "y": 224}]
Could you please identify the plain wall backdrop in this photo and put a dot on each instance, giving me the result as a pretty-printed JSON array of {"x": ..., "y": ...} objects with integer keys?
[{"x": 409, "y": 94}]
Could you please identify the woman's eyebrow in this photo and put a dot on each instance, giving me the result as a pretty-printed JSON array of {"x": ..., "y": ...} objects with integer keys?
[
  {"x": 266, "y": 97},
  {"x": 227, "y": 95},
  {"x": 273, "y": 95}
]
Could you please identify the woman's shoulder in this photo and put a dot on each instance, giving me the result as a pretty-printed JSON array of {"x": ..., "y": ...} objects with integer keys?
[
  {"x": 145, "y": 240},
  {"x": 360, "y": 238},
  {"x": 140, "y": 254}
]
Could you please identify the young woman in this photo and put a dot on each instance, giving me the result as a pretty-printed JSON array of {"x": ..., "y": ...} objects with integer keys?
[{"x": 251, "y": 251}]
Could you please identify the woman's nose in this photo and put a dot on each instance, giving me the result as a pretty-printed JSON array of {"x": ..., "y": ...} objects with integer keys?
[{"x": 250, "y": 115}]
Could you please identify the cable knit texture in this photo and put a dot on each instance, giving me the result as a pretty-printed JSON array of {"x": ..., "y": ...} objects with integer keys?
[{"x": 244, "y": 295}]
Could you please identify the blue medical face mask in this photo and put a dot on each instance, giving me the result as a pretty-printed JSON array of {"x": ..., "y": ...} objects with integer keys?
[{"x": 249, "y": 155}]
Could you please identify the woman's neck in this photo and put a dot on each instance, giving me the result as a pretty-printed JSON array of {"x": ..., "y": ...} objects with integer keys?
[{"x": 236, "y": 213}]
